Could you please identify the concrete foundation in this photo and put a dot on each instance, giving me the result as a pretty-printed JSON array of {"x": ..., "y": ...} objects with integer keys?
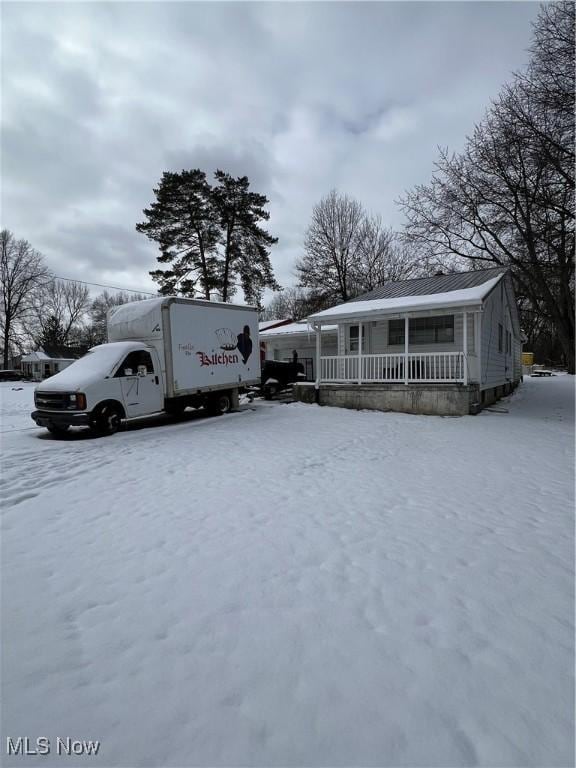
[{"x": 433, "y": 399}]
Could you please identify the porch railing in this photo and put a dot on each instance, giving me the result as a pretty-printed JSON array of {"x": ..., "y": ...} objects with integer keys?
[{"x": 428, "y": 367}]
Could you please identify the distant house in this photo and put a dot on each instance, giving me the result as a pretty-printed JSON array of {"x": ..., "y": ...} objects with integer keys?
[
  {"x": 280, "y": 343},
  {"x": 47, "y": 361},
  {"x": 446, "y": 344}
]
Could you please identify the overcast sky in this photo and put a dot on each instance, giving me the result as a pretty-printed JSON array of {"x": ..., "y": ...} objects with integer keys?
[{"x": 98, "y": 99}]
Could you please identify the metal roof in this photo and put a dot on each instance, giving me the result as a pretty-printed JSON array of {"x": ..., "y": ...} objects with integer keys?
[{"x": 423, "y": 286}]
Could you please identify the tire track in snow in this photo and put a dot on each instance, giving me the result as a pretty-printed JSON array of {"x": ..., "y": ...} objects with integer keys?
[{"x": 26, "y": 475}]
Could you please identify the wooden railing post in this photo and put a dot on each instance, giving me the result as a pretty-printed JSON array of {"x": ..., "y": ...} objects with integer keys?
[
  {"x": 318, "y": 358},
  {"x": 406, "y": 349},
  {"x": 359, "y": 353}
]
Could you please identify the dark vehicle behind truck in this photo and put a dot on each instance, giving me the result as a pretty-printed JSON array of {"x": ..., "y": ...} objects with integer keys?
[
  {"x": 278, "y": 376},
  {"x": 11, "y": 375}
]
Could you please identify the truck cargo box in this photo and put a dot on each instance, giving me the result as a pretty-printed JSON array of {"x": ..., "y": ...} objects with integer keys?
[{"x": 203, "y": 345}]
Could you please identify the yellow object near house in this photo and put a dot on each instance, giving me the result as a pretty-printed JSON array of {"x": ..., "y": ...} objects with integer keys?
[{"x": 527, "y": 358}]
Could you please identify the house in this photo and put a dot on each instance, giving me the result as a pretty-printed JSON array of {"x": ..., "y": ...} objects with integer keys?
[
  {"x": 280, "y": 343},
  {"x": 446, "y": 344},
  {"x": 47, "y": 361},
  {"x": 265, "y": 325}
]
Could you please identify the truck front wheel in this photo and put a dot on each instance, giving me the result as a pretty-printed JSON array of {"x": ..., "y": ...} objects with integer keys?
[{"x": 106, "y": 419}]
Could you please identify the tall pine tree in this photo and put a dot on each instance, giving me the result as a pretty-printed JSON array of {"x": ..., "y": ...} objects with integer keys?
[
  {"x": 53, "y": 334},
  {"x": 210, "y": 236},
  {"x": 182, "y": 222}
]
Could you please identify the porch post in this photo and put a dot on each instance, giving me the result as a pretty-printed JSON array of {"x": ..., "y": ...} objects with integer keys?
[
  {"x": 406, "y": 349},
  {"x": 359, "y": 353},
  {"x": 465, "y": 345},
  {"x": 318, "y": 329}
]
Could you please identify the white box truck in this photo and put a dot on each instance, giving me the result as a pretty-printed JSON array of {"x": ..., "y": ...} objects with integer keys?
[{"x": 163, "y": 354}]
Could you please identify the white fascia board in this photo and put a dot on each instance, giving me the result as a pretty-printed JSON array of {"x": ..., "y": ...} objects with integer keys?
[{"x": 395, "y": 312}]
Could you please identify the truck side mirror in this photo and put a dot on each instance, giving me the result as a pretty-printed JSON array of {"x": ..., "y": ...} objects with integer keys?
[{"x": 127, "y": 371}]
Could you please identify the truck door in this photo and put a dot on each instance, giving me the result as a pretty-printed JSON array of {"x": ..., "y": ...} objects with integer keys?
[{"x": 141, "y": 384}]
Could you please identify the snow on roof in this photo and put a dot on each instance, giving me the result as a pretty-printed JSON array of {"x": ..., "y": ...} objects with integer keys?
[
  {"x": 294, "y": 328},
  {"x": 265, "y": 324},
  {"x": 32, "y": 357},
  {"x": 463, "y": 297}
]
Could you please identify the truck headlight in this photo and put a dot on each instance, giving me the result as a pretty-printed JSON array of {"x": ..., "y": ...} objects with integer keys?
[{"x": 77, "y": 402}]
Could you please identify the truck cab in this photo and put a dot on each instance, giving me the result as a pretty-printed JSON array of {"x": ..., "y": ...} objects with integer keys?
[{"x": 112, "y": 382}]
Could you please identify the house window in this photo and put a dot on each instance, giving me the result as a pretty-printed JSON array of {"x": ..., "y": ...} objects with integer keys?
[
  {"x": 500, "y": 337},
  {"x": 423, "y": 330},
  {"x": 508, "y": 343},
  {"x": 354, "y": 335},
  {"x": 395, "y": 332}
]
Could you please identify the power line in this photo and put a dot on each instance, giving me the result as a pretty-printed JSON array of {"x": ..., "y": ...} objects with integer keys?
[{"x": 99, "y": 285}]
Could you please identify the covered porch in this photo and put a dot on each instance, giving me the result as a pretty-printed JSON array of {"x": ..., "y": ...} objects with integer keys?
[{"x": 434, "y": 347}]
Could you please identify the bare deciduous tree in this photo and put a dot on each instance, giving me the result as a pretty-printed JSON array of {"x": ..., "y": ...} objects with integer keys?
[
  {"x": 508, "y": 198},
  {"x": 59, "y": 303},
  {"x": 382, "y": 257},
  {"x": 95, "y": 332},
  {"x": 293, "y": 303},
  {"x": 349, "y": 252},
  {"x": 332, "y": 246},
  {"x": 22, "y": 270}
]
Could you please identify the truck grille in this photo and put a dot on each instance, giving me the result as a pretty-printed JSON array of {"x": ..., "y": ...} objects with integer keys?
[{"x": 51, "y": 401}]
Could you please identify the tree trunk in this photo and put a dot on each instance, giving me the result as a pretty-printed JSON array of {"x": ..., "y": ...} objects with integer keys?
[
  {"x": 227, "y": 263},
  {"x": 6, "y": 342}
]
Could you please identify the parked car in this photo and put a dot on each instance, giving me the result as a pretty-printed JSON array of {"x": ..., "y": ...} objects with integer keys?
[
  {"x": 11, "y": 375},
  {"x": 277, "y": 376}
]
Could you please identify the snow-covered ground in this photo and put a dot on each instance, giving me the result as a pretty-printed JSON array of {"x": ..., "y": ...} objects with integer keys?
[{"x": 293, "y": 585}]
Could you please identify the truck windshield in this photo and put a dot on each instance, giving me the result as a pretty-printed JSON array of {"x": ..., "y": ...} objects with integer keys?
[{"x": 98, "y": 360}]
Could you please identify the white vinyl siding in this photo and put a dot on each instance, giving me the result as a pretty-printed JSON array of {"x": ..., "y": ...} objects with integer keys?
[
  {"x": 304, "y": 344},
  {"x": 501, "y": 350}
]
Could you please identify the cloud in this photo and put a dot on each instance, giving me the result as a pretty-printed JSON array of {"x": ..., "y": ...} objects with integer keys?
[
  {"x": 100, "y": 98},
  {"x": 397, "y": 122}
]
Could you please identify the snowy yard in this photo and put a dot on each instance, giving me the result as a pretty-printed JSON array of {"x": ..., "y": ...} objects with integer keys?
[{"x": 293, "y": 585}]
